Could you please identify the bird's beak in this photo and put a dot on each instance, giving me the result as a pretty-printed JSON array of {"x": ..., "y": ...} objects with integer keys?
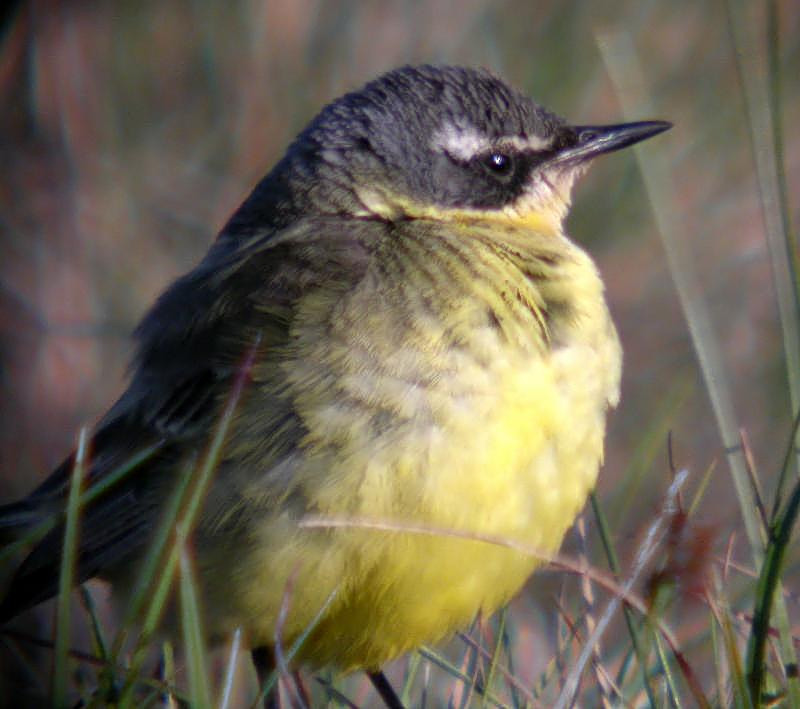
[{"x": 591, "y": 141}]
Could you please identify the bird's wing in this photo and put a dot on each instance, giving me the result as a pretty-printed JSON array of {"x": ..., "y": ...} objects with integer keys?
[{"x": 191, "y": 346}]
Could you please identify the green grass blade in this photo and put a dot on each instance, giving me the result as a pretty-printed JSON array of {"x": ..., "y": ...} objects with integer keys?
[
  {"x": 153, "y": 563},
  {"x": 762, "y": 102},
  {"x": 755, "y": 57},
  {"x": 768, "y": 584},
  {"x": 669, "y": 678},
  {"x": 159, "y": 597},
  {"x": 38, "y": 531},
  {"x": 516, "y": 701},
  {"x": 67, "y": 574},
  {"x": 471, "y": 661},
  {"x": 787, "y": 462},
  {"x": 497, "y": 652},
  {"x": 625, "y": 71},
  {"x": 741, "y": 693},
  {"x": 98, "y": 636},
  {"x": 185, "y": 508},
  {"x": 412, "y": 667},
  {"x": 193, "y": 638},
  {"x": 454, "y": 672}
]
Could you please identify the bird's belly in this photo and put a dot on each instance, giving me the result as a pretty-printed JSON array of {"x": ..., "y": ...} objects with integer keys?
[{"x": 507, "y": 455}]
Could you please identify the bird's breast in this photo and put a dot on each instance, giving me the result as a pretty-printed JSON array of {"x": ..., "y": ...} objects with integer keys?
[
  {"x": 457, "y": 397},
  {"x": 464, "y": 385}
]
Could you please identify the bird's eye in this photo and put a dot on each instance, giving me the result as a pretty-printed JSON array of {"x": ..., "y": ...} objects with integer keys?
[{"x": 499, "y": 164}]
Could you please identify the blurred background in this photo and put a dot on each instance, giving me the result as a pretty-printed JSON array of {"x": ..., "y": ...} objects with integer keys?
[{"x": 129, "y": 131}]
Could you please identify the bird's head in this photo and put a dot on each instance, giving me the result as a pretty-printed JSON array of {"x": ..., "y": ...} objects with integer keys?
[{"x": 445, "y": 143}]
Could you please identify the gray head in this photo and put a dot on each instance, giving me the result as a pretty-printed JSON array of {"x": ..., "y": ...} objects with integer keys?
[{"x": 429, "y": 139}]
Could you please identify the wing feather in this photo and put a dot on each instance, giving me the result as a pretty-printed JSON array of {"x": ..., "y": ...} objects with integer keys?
[{"x": 190, "y": 346}]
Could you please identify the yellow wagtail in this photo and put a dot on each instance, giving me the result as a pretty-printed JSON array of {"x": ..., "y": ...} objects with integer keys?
[{"x": 424, "y": 349}]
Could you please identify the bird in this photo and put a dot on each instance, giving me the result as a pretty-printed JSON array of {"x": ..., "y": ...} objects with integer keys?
[{"x": 396, "y": 335}]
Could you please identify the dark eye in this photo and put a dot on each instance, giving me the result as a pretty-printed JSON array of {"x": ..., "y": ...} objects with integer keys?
[{"x": 499, "y": 164}]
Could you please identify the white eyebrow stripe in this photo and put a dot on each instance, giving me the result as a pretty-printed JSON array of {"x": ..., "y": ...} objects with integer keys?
[{"x": 465, "y": 142}]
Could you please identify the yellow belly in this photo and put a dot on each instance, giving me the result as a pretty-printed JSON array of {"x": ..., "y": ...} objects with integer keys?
[{"x": 513, "y": 460}]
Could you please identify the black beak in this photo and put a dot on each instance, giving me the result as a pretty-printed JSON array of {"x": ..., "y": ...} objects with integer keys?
[{"x": 591, "y": 141}]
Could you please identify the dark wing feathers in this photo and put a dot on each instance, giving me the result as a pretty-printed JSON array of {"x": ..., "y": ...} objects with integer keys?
[
  {"x": 110, "y": 529},
  {"x": 190, "y": 345}
]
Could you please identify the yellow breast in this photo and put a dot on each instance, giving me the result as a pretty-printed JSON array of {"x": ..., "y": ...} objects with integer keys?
[{"x": 464, "y": 391}]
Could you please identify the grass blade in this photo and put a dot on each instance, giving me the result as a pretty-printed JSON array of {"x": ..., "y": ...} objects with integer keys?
[
  {"x": 193, "y": 638},
  {"x": 768, "y": 583},
  {"x": 230, "y": 672},
  {"x": 625, "y": 71},
  {"x": 67, "y": 574},
  {"x": 762, "y": 102}
]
